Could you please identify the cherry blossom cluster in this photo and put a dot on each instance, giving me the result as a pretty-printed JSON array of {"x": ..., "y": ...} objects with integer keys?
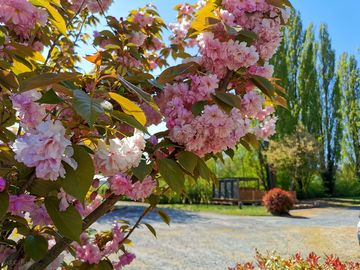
[
  {"x": 221, "y": 54},
  {"x": 30, "y": 112},
  {"x": 122, "y": 185},
  {"x": 120, "y": 154},
  {"x": 92, "y": 251},
  {"x": 6, "y": 251},
  {"x": 145, "y": 38},
  {"x": 21, "y": 16},
  {"x": 45, "y": 148},
  {"x": 93, "y": 6}
]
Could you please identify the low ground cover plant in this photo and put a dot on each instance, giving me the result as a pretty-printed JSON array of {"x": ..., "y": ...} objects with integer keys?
[{"x": 273, "y": 261}]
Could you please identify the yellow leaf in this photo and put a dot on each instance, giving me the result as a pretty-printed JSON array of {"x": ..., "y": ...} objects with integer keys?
[
  {"x": 95, "y": 59},
  {"x": 204, "y": 18},
  {"x": 56, "y": 18},
  {"x": 27, "y": 53},
  {"x": 280, "y": 101},
  {"x": 129, "y": 107},
  {"x": 19, "y": 67}
]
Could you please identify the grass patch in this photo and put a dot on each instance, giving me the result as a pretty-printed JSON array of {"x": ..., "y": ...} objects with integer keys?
[{"x": 246, "y": 210}]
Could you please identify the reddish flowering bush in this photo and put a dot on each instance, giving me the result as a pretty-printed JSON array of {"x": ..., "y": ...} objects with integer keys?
[
  {"x": 311, "y": 262},
  {"x": 278, "y": 201}
]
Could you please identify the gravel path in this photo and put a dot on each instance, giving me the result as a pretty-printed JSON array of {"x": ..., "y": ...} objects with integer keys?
[{"x": 199, "y": 241}]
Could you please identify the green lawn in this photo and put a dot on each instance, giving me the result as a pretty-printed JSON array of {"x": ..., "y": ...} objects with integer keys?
[{"x": 247, "y": 210}]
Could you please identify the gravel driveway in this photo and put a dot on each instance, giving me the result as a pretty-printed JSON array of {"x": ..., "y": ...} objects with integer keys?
[{"x": 199, "y": 241}]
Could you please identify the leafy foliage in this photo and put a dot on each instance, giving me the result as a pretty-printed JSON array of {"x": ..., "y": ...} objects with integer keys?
[{"x": 297, "y": 154}]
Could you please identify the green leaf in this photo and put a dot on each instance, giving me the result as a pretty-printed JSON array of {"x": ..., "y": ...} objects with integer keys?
[
  {"x": 198, "y": 107},
  {"x": 50, "y": 97},
  {"x": 204, "y": 171},
  {"x": 68, "y": 222},
  {"x": 224, "y": 106},
  {"x": 128, "y": 119},
  {"x": 88, "y": 108},
  {"x": 42, "y": 188},
  {"x": 137, "y": 90},
  {"x": 263, "y": 84},
  {"x": 46, "y": 79},
  {"x": 142, "y": 170},
  {"x": 230, "y": 152},
  {"x": 169, "y": 74},
  {"x": 8, "y": 79},
  {"x": 4, "y": 203},
  {"x": 252, "y": 140},
  {"x": 172, "y": 173},
  {"x": 77, "y": 182},
  {"x": 27, "y": 53},
  {"x": 35, "y": 246},
  {"x": 188, "y": 161},
  {"x": 229, "y": 99},
  {"x": 247, "y": 36},
  {"x": 55, "y": 17},
  {"x": 165, "y": 217},
  {"x": 102, "y": 265},
  {"x": 2, "y": 37},
  {"x": 151, "y": 229}
]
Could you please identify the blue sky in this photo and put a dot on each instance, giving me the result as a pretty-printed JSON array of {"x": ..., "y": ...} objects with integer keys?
[{"x": 342, "y": 17}]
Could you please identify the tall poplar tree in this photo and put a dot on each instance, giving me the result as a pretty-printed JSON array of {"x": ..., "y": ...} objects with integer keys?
[
  {"x": 349, "y": 74},
  {"x": 286, "y": 63},
  {"x": 330, "y": 100},
  {"x": 310, "y": 111}
]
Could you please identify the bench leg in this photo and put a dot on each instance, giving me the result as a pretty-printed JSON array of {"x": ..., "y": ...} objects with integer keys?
[{"x": 240, "y": 204}]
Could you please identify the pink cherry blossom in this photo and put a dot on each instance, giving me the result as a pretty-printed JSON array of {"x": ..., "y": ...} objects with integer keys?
[
  {"x": 96, "y": 6},
  {"x": 142, "y": 19},
  {"x": 120, "y": 184},
  {"x": 21, "y": 203},
  {"x": 137, "y": 38},
  {"x": 88, "y": 252},
  {"x": 266, "y": 129},
  {"x": 124, "y": 259},
  {"x": 21, "y": 16},
  {"x": 39, "y": 216},
  {"x": 152, "y": 117},
  {"x": 5, "y": 251},
  {"x": 2, "y": 184},
  {"x": 30, "y": 112},
  {"x": 120, "y": 155},
  {"x": 186, "y": 9},
  {"x": 117, "y": 236},
  {"x": 251, "y": 103},
  {"x": 143, "y": 189},
  {"x": 45, "y": 148}
]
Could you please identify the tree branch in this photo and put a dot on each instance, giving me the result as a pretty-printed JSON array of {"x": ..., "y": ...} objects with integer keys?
[
  {"x": 63, "y": 243},
  {"x": 225, "y": 82}
]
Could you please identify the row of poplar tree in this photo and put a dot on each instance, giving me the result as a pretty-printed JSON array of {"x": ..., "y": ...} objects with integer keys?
[{"x": 323, "y": 93}]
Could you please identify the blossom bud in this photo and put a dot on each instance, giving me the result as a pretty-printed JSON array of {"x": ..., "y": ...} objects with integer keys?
[
  {"x": 95, "y": 183},
  {"x": 93, "y": 195},
  {"x": 2, "y": 184}
]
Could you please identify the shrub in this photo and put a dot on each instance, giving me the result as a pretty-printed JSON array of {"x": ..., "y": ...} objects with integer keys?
[
  {"x": 312, "y": 261},
  {"x": 278, "y": 201}
]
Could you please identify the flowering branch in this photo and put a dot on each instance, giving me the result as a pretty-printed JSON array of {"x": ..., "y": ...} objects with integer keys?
[
  {"x": 225, "y": 82},
  {"x": 63, "y": 243}
]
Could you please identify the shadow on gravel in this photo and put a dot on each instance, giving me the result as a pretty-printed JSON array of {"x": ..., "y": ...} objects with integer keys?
[{"x": 132, "y": 212}]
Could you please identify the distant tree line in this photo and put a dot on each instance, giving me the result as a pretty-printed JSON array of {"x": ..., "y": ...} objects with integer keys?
[{"x": 323, "y": 94}]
